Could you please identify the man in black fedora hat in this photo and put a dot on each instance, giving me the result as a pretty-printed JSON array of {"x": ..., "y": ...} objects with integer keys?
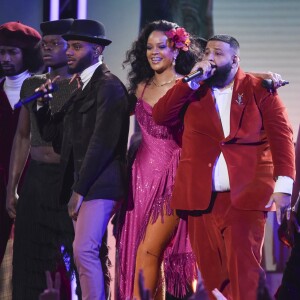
[{"x": 94, "y": 144}]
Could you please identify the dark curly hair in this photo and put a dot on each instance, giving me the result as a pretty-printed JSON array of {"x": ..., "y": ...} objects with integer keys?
[{"x": 136, "y": 57}]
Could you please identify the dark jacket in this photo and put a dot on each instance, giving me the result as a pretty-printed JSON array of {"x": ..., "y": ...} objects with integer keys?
[{"x": 94, "y": 138}]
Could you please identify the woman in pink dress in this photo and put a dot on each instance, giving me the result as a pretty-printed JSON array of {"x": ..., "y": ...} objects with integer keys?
[{"x": 152, "y": 237}]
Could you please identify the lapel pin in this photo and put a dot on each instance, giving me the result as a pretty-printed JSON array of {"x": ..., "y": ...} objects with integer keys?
[{"x": 239, "y": 100}]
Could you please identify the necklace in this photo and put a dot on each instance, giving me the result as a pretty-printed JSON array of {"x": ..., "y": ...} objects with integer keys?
[{"x": 159, "y": 85}]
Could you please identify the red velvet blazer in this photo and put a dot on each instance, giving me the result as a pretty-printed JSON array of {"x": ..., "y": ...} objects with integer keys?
[{"x": 258, "y": 149}]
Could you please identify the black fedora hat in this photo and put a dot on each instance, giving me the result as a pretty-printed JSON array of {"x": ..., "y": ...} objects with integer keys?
[
  {"x": 87, "y": 30},
  {"x": 56, "y": 27}
]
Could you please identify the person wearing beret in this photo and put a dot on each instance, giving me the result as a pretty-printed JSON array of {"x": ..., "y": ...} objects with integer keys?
[
  {"x": 19, "y": 57},
  {"x": 94, "y": 144},
  {"x": 42, "y": 224}
]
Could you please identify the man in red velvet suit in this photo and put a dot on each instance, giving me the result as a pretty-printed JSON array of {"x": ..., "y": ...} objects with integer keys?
[
  {"x": 237, "y": 163},
  {"x": 18, "y": 58}
]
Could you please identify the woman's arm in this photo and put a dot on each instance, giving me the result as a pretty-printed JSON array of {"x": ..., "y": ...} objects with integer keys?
[{"x": 18, "y": 158}]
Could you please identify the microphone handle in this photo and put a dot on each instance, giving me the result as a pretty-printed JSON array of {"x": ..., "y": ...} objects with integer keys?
[
  {"x": 195, "y": 74},
  {"x": 35, "y": 96},
  {"x": 192, "y": 75},
  {"x": 268, "y": 83}
]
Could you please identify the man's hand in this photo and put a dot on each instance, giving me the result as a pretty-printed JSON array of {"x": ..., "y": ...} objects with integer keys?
[
  {"x": 276, "y": 79},
  {"x": 52, "y": 292},
  {"x": 283, "y": 205},
  {"x": 44, "y": 88},
  {"x": 11, "y": 204},
  {"x": 208, "y": 70},
  {"x": 74, "y": 205}
]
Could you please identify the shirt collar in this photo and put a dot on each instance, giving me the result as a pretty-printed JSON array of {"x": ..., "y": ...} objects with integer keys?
[
  {"x": 87, "y": 74},
  {"x": 227, "y": 90}
]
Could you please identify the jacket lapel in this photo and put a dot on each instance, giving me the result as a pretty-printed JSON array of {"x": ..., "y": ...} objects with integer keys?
[
  {"x": 210, "y": 111},
  {"x": 238, "y": 103},
  {"x": 85, "y": 98},
  {"x": 98, "y": 74}
]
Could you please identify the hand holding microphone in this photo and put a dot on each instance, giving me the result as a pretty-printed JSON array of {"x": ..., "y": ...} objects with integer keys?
[
  {"x": 269, "y": 84},
  {"x": 202, "y": 71},
  {"x": 44, "y": 91},
  {"x": 47, "y": 88},
  {"x": 273, "y": 81}
]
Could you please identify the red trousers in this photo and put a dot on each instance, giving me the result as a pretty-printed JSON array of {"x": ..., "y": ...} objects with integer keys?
[{"x": 228, "y": 245}]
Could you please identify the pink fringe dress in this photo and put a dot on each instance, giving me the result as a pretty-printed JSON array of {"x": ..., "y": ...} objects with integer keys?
[{"x": 152, "y": 180}]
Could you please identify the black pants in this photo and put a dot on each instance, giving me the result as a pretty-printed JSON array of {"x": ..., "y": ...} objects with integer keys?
[
  {"x": 290, "y": 285},
  {"x": 42, "y": 226}
]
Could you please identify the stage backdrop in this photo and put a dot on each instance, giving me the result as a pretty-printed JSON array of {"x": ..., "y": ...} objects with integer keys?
[{"x": 268, "y": 31}]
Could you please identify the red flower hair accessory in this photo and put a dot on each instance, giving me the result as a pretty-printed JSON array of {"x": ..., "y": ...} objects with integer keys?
[{"x": 179, "y": 37}]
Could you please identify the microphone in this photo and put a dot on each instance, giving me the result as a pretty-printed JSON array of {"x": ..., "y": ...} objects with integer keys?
[
  {"x": 195, "y": 74},
  {"x": 36, "y": 95},
  {"x": 269, "y": 84}
]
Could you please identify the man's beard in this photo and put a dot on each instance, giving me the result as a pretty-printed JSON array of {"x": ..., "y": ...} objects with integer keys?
[
  {"x": 81, "y": 64},
  {"x": 9, "y": 71},
  {"x": 220, "y": 76}
]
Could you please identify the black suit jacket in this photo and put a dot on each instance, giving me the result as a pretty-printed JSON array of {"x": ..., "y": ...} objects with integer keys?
[{"x": 94, "y": 137}]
